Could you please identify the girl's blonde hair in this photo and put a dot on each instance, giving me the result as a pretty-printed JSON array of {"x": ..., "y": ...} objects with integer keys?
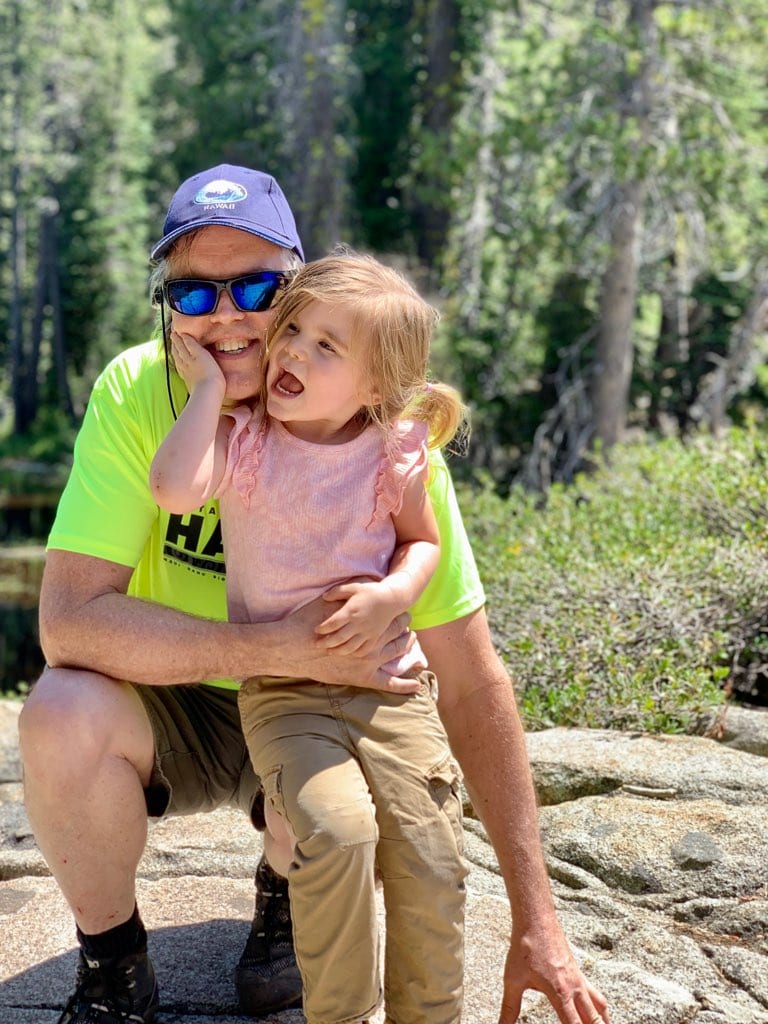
[{"x": 395, "y": 325}]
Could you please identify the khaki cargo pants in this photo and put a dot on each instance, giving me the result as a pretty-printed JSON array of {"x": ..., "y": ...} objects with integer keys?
[{"x": 366, "y": 782}]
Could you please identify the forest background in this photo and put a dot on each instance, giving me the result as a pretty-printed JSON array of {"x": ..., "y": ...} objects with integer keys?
[{"x": 581, "y": 189}]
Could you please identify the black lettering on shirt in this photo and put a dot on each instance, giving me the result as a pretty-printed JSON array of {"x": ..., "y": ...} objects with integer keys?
[
  {"x": 214, "y": 546},
  {"x": 195, "y": 541},
  {"x": 190, "y": 530}
]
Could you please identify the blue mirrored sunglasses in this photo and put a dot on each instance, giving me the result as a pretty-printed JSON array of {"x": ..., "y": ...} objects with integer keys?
[{"x": 250, "y": 294}]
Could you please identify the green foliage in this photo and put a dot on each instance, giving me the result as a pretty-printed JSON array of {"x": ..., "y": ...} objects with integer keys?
[
  {"x": 382, "y": 102},
  {"x": 628, "y": 599},
  {"x": 546, "y": 135},
  {"x": 49, "y": 441},
  {"x": 394, "y": 125},
  {"x": 75, "y": 152}
]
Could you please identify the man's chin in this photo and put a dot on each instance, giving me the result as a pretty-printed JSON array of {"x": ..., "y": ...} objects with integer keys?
[{"x": 239, "y": 390}]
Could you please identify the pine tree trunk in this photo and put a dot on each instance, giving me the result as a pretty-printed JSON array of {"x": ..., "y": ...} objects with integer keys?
[
  {"x": 734, "y": 374},
  {"x": 58, "y": 340},
  {"x": 439, "y": 100},
  {"x": 614, "y": 347},
  {"x": 314, "y": 99},
  {"x": 38, "y": 321},
  {"x": 17, "y": 334}
]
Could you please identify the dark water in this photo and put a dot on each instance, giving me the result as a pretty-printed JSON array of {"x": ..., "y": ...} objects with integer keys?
[
  {"x": 21, "y": 659},
  {"x": 26, "y": 517}
]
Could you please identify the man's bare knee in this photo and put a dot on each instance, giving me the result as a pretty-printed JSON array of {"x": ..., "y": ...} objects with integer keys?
[{"x": 74, "y": 719}]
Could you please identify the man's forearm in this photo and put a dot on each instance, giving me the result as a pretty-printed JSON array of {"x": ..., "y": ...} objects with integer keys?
[
  {"x": 127, "y": 638},
  {"x": 477, "y": 705},
  {"x": 478, "y": 708},
  {"x": 488, "y": 742},
  {"x": 88, "y": 621}
]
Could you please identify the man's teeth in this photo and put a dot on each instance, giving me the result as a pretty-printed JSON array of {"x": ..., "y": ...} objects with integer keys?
[{"x": 230, "y": 346}]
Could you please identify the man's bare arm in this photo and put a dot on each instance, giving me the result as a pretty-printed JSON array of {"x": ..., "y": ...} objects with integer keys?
[
  {"x": 88, "y": 621},
  {"x": 478, "y": 708}
]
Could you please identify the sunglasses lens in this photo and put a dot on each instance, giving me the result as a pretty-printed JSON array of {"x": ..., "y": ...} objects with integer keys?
[
  {"x": 194, "y": 298},
  {"x": 251, "y": 294},
  {"x": 255, "y": 293}
]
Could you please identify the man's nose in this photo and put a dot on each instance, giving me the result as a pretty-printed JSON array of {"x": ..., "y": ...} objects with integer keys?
[{"x": 225, "y": 309}]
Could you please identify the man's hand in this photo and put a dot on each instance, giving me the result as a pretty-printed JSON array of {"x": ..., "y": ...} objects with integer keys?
[
  {"x": 303, "y": 654},
  {"x": 546, "y": 964}
]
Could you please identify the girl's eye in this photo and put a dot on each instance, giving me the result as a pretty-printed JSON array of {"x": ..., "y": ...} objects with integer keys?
[
  {"x": 291, "y": 328},
  {"x": 327, "y": 346}
]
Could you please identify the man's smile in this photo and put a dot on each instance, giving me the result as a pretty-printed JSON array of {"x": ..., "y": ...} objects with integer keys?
[{"x": 232, "y": 346}]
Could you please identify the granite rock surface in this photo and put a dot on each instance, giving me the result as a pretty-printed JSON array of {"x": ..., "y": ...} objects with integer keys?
[{"x": 657, "y": 848}]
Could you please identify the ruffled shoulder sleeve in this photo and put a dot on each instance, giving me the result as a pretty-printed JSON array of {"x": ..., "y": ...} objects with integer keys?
[
  {"x": 406, "y": 457},
  {"x": 244, "y": 447}
]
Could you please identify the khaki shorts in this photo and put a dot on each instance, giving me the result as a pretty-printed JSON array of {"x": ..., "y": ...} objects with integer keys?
[{"x": 201, "y": 760}]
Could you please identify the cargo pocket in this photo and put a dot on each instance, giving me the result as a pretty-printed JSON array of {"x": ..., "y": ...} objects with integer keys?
[
  {"x": 445, "y": 789},
  {"x": 272, "y": 782}
]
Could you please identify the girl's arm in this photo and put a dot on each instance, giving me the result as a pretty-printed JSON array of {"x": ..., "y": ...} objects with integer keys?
[
  {"x": 371, "y": 605},
  {"x": 189, "y": 464}
]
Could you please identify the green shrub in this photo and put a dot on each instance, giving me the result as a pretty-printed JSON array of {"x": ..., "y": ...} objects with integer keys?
[{"x": 629, "y": 598}]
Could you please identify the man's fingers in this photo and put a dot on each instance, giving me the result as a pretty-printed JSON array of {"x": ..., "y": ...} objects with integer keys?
[
  {"x": 394, "y": 684},
  {"x": 397, "y": 648},
  {"x": 181, "y": 343},
  {"x": 585, "y": 1006},
  {"x": 397, "y": 629},
  {"x": 510, "y": 1007},
  {"x": 592, "y": 1006}
]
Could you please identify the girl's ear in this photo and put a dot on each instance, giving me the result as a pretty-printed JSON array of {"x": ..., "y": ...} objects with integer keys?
[{"x": 369, "y": 393}]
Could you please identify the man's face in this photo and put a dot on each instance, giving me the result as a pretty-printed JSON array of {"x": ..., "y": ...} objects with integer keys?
[{"x": 235, "y": 339}]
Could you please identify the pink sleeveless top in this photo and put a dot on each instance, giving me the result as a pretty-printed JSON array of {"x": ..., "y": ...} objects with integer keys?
[{"x": 299, "y": 517}]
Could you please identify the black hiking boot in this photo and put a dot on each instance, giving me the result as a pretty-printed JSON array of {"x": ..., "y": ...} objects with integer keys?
[
  {"x": 121, "y": 990},
  {"x": 267, "y": 978}
]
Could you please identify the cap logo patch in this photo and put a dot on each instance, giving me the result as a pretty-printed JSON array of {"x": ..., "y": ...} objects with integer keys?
[{"x": 220, "y": 194}]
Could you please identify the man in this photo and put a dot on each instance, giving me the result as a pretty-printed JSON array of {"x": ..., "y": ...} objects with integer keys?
[{"x": 131, "y": 593}]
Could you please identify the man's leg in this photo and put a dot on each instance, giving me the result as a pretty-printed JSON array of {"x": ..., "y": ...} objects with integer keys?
[
  {"x": 87, "y": 750},
  {"x": 75, "y": 765},
  {"x": 201, "y": 762}
]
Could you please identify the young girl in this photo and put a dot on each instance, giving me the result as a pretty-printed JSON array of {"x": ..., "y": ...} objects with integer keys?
[{"x": 322, "y": 492}]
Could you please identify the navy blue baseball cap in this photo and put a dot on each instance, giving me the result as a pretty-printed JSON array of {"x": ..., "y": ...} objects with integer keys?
[{"x": 232, "y": 197}]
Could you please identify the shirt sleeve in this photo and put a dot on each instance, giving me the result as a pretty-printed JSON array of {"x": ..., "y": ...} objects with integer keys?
[
  {"x": 106, "y": 509},
  {"x": 245, "y": 443},
  {"x": 455, "y": 589},
  {"x": 408, "y": 458}
]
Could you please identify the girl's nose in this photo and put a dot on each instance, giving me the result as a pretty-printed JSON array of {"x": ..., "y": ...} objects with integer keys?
[{"x": 295, "y": 347}]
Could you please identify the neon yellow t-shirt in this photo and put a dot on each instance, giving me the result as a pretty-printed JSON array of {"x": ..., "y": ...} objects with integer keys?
[{"x": 107, "y": 509}]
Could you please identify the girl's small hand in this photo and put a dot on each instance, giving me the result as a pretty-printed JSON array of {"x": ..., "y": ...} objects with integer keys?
[
  {"x": 194, "y": 363},
  {"x": 358, "y": 626}
]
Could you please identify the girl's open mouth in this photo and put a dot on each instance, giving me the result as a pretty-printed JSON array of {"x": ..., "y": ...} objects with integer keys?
[{"x": 286, "y": 384}]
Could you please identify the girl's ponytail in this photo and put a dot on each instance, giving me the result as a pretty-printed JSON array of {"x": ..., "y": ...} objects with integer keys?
[{"x": 440, "y": 405}]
